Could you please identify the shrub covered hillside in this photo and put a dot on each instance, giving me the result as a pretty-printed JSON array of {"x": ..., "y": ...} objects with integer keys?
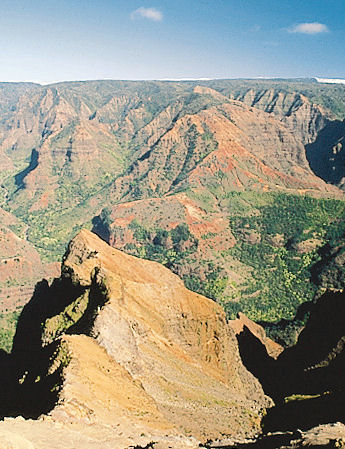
[{"x": 275, "y": 259}]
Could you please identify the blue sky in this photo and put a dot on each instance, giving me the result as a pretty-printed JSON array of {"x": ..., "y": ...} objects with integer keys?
[{"x": 48, "y": 41}]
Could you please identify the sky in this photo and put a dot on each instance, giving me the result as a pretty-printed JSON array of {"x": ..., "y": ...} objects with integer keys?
[{"x": 48, "y": 41}]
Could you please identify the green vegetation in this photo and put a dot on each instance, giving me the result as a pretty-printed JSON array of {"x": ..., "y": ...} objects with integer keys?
[
  {"x": 212, "y": 284},
  {"x": 280, "y": 240},
  {"x": 51, "y": 228},
  {"x": 176, "y": 249},
  {"x": 280, "y": 244},
  {"x": 302, "y": 397},
  {"x": 162, "y": 246},
  {"x": 59, "y": 324},
  {"x": 8, "y": 323}
]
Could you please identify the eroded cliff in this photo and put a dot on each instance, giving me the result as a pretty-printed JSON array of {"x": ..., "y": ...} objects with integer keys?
[{"x": 119, "y": 341}]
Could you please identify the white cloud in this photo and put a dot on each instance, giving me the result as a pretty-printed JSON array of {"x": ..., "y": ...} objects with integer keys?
[
  {"x": 331, "y": 80},
  {"x": 309, "y": 28},
  {"x": 147, "y": 13}
]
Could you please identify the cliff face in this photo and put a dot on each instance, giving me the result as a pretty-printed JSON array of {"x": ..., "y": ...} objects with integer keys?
[
  {"x": 302, "y": 116},
  {"x": 315, "y": 126},
  {"x": 130, "y": 343},
  {"x": 159, "y": 137},
  {"x": 156, "y": 132},
  {"x": 242, "y": 323},
  {"x": 250, "y": 148}
]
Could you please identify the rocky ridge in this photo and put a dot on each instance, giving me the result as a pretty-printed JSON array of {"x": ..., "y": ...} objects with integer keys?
[
  {"x": 120, "y": 342},
  {"x": 122, "y": 354}
]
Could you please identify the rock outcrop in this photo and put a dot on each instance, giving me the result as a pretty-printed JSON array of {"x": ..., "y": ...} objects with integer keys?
[
  {"x": 327, "y": 436},
  {"x": 242, "y": 322},
  {"x": 121, "y": 340}
]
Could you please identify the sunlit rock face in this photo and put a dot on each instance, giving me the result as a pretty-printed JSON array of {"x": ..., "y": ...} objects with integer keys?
[{"x": 120, "y": 339}]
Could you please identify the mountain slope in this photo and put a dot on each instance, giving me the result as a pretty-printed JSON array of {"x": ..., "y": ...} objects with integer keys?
[
  {"x": 119, "y": 339},
  {"x": 176, "y": 154},
  {"x": 133, "y": 147}
]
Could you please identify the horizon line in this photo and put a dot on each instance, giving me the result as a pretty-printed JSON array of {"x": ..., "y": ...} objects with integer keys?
[{"x": 182, "y": 79}]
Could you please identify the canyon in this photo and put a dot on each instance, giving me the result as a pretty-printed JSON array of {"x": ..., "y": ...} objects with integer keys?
[
  {"x": 168, "y": 252},
  {"x": 129, "y": 158}
]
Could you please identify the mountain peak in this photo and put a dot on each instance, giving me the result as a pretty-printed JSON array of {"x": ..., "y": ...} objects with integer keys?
[{"x": 125, "y": 340}]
